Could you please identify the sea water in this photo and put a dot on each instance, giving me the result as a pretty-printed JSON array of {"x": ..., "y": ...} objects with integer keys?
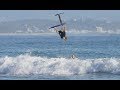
[{"x": 48, "y": 57}]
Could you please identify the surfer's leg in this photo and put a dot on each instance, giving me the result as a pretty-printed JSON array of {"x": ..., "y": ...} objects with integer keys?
[{"x": 65, "y": 38}]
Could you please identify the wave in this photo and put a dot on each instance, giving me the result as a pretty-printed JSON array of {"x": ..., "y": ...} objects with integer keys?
[{"x": 27, "y": 65}]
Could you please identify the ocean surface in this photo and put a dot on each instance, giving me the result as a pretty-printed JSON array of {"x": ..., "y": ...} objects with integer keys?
[{"x": 48, "y": 57}]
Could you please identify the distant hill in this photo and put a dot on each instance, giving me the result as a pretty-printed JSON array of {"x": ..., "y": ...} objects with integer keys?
[
  {"x": 26, "y": 26},
  {"x": 79, "y": 26}
]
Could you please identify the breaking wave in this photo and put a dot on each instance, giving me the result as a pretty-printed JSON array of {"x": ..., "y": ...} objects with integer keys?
[{"x": 27, "y": 65}]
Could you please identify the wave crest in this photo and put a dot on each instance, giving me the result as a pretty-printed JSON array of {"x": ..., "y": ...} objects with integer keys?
[{"x": 27, "y": 64}]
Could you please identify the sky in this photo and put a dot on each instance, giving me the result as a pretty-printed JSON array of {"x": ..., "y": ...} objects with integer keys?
[{"x": 8, "y": 15}]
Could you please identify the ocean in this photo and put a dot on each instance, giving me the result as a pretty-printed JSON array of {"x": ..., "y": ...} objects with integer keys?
[{"x": 48, "y": 57}]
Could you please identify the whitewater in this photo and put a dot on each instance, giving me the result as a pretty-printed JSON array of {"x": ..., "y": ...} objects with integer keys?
[{"x": 49, "y": 58}]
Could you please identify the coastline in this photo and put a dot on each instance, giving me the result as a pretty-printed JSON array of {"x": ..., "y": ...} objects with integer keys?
[{"x": 53, "y": 34}]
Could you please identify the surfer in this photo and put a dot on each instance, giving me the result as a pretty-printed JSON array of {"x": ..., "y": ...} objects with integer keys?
[
  {"x": 73, "y": 56},
  {"x": 62, "y": 33}
]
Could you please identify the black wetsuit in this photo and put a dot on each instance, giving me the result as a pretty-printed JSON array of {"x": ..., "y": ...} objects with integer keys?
[{"x": 62, "y": 34}]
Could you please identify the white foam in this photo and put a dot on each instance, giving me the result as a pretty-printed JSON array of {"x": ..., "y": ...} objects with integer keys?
[{"x": 26, "y": 65}]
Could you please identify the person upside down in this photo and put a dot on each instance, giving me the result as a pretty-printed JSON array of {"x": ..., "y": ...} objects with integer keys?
[{"x": 62, "y": 33}]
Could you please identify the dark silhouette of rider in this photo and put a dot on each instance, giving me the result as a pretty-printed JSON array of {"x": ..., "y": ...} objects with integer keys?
[{"x": 62, "y": 33}]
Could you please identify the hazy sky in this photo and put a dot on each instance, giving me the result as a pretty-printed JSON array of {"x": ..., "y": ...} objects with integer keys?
[{"x": 49, "y": 14}]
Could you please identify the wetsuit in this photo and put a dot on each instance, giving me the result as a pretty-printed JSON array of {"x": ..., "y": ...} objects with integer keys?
[{"x": 62, "y": 34}]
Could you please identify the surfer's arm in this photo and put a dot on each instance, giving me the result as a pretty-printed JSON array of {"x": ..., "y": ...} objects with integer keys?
[
  {"x": 56, "y": 30},
  {"x": 64, "y": 29}
]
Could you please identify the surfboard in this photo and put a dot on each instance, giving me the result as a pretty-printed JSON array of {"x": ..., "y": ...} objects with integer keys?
[{"x": 61, "y": 23}]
